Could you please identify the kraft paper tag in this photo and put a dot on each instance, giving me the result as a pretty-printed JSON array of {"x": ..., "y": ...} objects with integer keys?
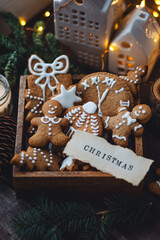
[{"x": 120, "y": 162}]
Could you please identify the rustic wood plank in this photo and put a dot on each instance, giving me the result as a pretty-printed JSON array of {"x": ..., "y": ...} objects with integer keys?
[
  {"x": 10, "y": 207},
  {"x": 20, "y": 119},
  {"x": 139, "y": 146}
]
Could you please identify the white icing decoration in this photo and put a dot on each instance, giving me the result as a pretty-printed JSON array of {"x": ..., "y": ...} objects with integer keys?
[
  {"x": 118, "y": 91},
  {"x": 125, "y": 104},
  {"x": 82, "y": 119},
  {"x": 122, "y": 109},
  {"x": 144, "y": 111},
  {"x": 137, "y": 127},
  {"x": 95, "y": 80},
  {"x": 109, "y": 81},
  {"x": 85, "y": 84},
  {"x": 35, "y": 109},
  {"x": 47, "y": 119},
  {"x": 67, "y": 162},
  {"x": 94, "y": 124},
  {"x": 40, "y": 70},
  {"x": 93, "y": 117},
  {"x": 80, "y": 123},
  {"x": 67, "y": 98},
  {"x": 136, "y": 113},
  {"x": 158, "y": 183},
  {"x": 95, "y": 127},
  {"x": 130, "y": 120},
  {"x": 101, "y": 99},
  {"x": 51, "y": 112},
  {"x": 120, "y": 138},
  {"x": 70, "y": 131},
  {"x": 90, "y": 107},
  {"x": 95, "y": 131}
]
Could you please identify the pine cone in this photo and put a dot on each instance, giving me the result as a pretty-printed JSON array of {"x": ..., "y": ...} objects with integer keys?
[{"x": 7, "y": 143}]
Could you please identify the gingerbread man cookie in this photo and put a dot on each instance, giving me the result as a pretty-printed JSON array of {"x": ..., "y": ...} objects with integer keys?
[
  {"x": 40, "y": 159},
  {"x": 108, "y": 91},
  {"x": 84, "y": 118},
  {"x": 43, "y": 83},
  {"x": 49, "y": 126},
  {"x": 125, "y": 122}
]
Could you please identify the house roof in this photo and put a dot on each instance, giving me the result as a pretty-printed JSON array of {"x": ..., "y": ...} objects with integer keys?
[{"x": 103, "y": 5}]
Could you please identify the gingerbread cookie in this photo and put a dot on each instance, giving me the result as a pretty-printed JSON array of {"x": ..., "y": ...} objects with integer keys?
[
  {"x": 70, "y": 164},
  {"x": 42, "y": 84},
  {"x": 108, "y": 91},
  {"x": 125, "y": 122},
  {"x": 49, "y": 126},
  {"x": 84, "y": 118},
  {"x": 31, "y": 130},
  {"x": 66, "y": 97},
  {"x": 154, "y": 187},
  {"x": 36, "y": 158}
]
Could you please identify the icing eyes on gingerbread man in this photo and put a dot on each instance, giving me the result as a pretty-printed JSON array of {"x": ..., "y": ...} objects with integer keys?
[
  {"x": 49, "y": 126},
  {"x": 125, "y": 122}
]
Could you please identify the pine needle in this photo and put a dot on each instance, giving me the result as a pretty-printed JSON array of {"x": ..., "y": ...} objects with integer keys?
[{"x": 48, "y": 219}]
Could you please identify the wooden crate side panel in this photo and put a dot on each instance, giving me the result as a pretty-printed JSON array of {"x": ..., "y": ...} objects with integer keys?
[
  {"x": 20, "y": 119},
  {"x": 74, "y": 182}
]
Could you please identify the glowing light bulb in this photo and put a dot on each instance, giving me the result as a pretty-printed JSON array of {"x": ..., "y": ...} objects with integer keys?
[
  {"x": 47, "y": 14},
  {"x": 22, "y": 22},
  {"x": 142, "y": 3},
  {"x": 157, "y": 2},
  {"x": 112, "y": 48},
  {"x": 155, "y": 14},
  {"x": 158, "y": 8},
  {"x": 116, "y": 26},
  {"x": 65, "y": 28},
  {"x": 114, "y": 2},
  {"x": 40, "y": 29}
]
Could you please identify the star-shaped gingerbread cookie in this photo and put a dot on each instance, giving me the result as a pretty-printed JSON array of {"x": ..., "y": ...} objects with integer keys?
[{"x": 66, "y": 97}]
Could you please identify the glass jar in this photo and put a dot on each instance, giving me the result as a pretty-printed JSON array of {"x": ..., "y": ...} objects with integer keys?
[{"x": 5, "y": 97}]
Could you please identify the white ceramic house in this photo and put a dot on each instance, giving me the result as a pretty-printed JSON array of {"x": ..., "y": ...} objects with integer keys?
[
  {"x": 136, "y": 42},
  {"x": 85, "y": 26}
]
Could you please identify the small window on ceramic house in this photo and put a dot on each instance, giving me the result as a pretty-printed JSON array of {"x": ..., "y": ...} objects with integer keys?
[{"x": 79, "y": 2}]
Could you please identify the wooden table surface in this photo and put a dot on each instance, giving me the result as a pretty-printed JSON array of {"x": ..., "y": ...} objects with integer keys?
[{"x": 11, "y": 205}]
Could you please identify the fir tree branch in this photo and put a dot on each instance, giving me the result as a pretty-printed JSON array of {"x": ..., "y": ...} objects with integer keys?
[
  {"x": 7, "y": 42},
  {"x": 16, "y": 28},
  {"x": 47, "y": 219},
  {"x": 38, "y": 35},
  {"x": 4, "y": 59}
]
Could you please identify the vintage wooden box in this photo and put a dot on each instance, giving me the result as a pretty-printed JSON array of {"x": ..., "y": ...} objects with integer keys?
[{"x": 78, "y": 183}]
